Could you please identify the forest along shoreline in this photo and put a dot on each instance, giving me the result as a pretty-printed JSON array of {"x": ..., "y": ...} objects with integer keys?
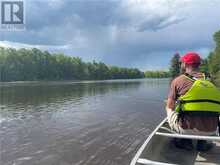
[{"x": 36, "y": 65}]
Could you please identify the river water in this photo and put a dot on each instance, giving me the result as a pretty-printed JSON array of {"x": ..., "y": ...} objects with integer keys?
[{"x": 78, "y": 123}]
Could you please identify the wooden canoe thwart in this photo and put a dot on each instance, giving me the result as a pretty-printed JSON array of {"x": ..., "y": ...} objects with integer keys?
[{"x": 158, "y": 149}]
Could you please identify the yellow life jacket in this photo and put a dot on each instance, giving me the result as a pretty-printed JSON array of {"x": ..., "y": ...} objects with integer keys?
[{"x": 203, "y": 96}]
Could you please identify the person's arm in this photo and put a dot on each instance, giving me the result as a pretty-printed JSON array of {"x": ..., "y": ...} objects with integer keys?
[
  {"x": 170, "y": 105},
  {"x": 171, "y": 98}
]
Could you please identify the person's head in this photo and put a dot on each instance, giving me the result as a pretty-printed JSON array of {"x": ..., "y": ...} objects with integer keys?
[{"x": 190, "y": 61}]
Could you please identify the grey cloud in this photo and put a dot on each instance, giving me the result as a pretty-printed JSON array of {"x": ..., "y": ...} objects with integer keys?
[
  {"x": 109, "y": 31},
  {"x": 159, "y": 23}
]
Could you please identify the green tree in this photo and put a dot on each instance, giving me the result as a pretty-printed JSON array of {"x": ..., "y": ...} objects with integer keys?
[
  {"x": 34, "y": 64},
  {"x": 175, "y": 65},
  {"x": 214, "y": 60},
  {"x": 204, "y": 67},
  {"x": 157, "y": 74}
]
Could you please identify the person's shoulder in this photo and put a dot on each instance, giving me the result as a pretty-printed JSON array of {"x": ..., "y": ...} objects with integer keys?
[
  {"x": 199, "y": 75},
  {"x": 179, "y": 78}
]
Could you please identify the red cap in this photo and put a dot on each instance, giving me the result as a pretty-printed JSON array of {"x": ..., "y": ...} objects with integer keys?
[{"x": 191, "y": 58}]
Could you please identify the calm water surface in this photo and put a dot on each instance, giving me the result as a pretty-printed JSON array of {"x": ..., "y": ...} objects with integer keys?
[{"x": 78, "y": 123}]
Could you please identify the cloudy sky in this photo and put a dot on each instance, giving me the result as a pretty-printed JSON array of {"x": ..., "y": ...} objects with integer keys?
[{"x": 131, "y": 33}]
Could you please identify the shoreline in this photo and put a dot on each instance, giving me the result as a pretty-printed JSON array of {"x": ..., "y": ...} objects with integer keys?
[{"x": 75, "y": 81}]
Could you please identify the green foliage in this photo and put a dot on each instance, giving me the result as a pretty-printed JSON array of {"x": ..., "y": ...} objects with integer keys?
[
  {"x": 214, "y": 60},
  {"x": 217, "y": 79},
  {"x": 157, "y": 74},
  {"x": 175, "y": 65},
  {"x": 34, "y": 64},
  {"x": 204, "y": 67}
]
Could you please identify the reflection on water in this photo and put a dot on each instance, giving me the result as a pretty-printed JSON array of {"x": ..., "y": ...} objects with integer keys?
[{"x": 66, "y": 123}]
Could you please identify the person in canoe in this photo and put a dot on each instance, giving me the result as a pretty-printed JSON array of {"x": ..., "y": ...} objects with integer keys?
[{"x": 200, "y": 98}]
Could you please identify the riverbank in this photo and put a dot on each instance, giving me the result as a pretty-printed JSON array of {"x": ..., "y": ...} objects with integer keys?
[{"x": 79, "y": 81}]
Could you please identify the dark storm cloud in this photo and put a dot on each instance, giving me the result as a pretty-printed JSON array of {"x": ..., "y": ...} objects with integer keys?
[
  {"x": 125, "y": 33},
  {"x": 159, "y": 23}
]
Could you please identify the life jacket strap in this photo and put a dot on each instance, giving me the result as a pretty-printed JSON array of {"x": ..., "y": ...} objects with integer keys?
[
  {"x": 181, "y": 112},
  {"x": 192, "y": 78},
  {"x": 199, "y": 101}
]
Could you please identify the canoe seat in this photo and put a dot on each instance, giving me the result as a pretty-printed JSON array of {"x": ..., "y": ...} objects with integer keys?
[{"x": 166, "y": 131}]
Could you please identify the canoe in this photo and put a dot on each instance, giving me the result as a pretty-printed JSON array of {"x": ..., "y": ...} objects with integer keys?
[{"x": 159, "y": 149}]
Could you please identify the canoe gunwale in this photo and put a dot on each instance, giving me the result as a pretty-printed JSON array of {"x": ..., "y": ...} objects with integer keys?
[
  {"x": 151, "y": 162},
  {"x": 139, "y": 152}
]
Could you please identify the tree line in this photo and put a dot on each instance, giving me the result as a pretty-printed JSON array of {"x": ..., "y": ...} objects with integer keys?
[
  {"x": 210, "y": 65},
  {"x": 157, "y": 74},
  {"x": 34, "y": 64}
]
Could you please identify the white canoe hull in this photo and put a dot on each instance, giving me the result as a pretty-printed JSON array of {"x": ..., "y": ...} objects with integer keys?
[{"x": 158, "y": 149}]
